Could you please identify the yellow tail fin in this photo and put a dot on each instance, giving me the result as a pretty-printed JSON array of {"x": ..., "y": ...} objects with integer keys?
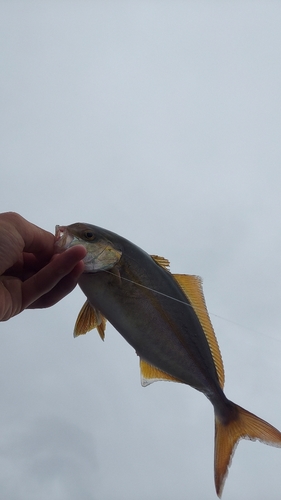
[{"x": 243, "y": 425}]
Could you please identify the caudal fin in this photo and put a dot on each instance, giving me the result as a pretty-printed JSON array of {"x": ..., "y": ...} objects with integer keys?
[{"x": 243, "y": 425}]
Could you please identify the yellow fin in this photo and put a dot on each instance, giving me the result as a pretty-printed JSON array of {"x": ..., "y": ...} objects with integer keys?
[
  {"x": 150, "y": 374},
  {"x": 89, "y": 318},
  {"x": 192, "y": 287},
  {"x": 241, "y": 425},
  {"x": 161, "y": 261}
]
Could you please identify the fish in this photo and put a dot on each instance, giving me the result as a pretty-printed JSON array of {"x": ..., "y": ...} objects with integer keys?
[{"x": 164, "y": 317}]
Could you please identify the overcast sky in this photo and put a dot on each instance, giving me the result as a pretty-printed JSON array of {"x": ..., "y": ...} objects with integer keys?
[{"x": 158, "y": 120}]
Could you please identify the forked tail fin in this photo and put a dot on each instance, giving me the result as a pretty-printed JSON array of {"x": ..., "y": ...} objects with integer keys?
[{"x": 243, "y": 425}]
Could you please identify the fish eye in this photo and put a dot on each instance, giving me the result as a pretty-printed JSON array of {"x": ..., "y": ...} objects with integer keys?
[{"x": 89, "y": 235}]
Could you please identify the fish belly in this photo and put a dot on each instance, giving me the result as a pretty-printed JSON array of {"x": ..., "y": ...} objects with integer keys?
[{"x": 151, "y": 327}]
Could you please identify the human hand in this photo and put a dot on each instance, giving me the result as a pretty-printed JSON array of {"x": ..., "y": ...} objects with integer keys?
[{"x": 31, "y": 276}]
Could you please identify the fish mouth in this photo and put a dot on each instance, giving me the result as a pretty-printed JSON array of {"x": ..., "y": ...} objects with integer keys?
[{"x": 63, "y": 239}]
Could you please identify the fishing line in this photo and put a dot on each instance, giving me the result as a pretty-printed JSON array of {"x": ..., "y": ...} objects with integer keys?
[{"x": 189, "y": 305}]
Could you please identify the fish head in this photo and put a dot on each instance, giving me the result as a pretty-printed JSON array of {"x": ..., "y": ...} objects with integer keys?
[{"x": 102, "y": 254}]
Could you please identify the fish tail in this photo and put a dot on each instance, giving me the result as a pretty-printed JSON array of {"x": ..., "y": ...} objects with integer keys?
[{"x": 240, "y": 424}]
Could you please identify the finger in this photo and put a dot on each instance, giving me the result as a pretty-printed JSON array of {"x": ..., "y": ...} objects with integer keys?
[
  {"x": 35, "y": 239},
  {"x": 47, "y": 278},
  {"x": 63, "y": 288},
  {"x": 25, "y": 267}
]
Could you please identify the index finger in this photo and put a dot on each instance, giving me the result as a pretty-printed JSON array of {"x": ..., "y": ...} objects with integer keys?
[
  {"x": 33, "y": 238},
  {"x": 48, "y": 278}
]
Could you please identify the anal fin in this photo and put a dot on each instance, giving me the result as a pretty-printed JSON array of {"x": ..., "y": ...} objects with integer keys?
[{"x": 150, "y": 374}]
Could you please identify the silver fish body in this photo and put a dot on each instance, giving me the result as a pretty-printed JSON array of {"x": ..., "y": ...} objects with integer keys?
[
  {"x": 164, "y": 318},
  {"x": 166, "y": 333}
]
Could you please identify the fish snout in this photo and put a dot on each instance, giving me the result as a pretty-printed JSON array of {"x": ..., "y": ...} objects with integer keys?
[{"x": 63, "y": 239}]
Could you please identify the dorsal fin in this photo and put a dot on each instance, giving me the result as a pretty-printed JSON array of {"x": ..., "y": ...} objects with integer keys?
[
  {"x": 161, "y": 261},
  {"x": 89, "y": 318},
  {"x": 192, "y": 287},
  {"x": 150, "y": 374}
]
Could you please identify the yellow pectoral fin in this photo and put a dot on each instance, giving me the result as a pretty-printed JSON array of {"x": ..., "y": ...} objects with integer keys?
[
  {"x": 150, "y": 374},
  {"x": 192, "y": 287},
  {"x": 89, "y": 318}
]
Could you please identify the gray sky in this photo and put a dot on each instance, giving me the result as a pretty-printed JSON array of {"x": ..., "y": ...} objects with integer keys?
[{"x": 159, "y": 121}]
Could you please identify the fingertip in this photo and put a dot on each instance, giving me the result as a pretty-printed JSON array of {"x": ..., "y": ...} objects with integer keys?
[
  {"x": 70, "y": 256},
  {"x": 79, "y": 251},
  {"x": 78, "y": 270},
  {"x": 55, "y": 281}
]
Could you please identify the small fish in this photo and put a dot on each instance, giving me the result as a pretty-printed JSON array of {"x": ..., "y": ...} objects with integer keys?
[{"x": 164, "y": 318}]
